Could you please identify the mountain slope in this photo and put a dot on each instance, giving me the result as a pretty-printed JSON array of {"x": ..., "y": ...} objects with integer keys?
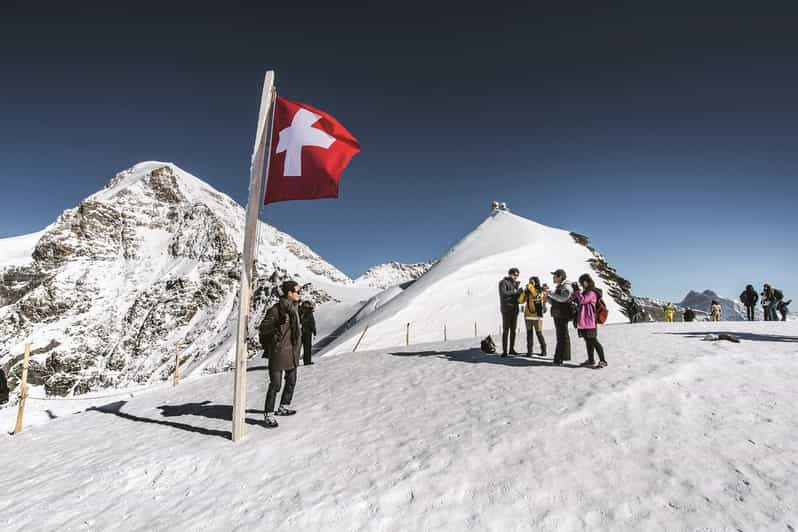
[
  {"x": 143, "y": 268},
  {"x": 459, "y": 293},
  {"x": 393, "y": 274}
]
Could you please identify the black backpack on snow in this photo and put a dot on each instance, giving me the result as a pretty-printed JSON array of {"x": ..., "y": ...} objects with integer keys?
[{"x": 487, "y": 345}]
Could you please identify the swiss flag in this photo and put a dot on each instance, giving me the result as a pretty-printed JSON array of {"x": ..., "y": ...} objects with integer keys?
[{"x": 309, "y": 151}]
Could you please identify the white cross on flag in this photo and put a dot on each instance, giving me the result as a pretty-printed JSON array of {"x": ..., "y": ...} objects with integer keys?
[{"x": 310, "y": 150}]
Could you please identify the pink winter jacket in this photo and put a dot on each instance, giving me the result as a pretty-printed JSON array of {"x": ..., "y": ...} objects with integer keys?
[{"x": 586, "y": 317}]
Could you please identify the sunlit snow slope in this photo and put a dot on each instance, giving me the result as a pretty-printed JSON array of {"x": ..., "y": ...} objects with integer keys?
[{"x": 461, "y": 290}]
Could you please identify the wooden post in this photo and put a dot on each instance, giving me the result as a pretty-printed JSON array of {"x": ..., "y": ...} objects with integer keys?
[
  {"x": 23, "y": 390},
  {"x": 259, "y": 158},
  {"x": 177, "y": 366},
  {"x": 407, "y": 335},
  {"x": 444, "y": 333},
  {"x": 360, "y": 339}
]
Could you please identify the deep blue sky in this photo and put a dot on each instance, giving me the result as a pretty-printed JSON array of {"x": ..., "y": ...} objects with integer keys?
[{"x": 671, "y": 140}]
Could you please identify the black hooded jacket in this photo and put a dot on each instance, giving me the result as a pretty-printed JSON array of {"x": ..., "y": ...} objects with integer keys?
[
  {"x": 749, "y": 297},
  {"x": 509, "y": 290}
]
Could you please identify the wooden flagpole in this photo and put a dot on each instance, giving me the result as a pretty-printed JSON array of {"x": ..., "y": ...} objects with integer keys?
[
  {"x": 176, "y": 380},
  {"x": 260, "y": 155},
  {"x": 23, "y": 390}
]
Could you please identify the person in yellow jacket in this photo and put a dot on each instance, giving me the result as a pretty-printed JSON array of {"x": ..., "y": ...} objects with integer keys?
[
  {"x": 714, "y": 311},
  {"x": 534, "y": 301},
  {"x": 670, "y": 311}
]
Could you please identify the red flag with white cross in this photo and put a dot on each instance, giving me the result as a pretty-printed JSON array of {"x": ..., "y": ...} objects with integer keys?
[{"x": 309, "y": 151}]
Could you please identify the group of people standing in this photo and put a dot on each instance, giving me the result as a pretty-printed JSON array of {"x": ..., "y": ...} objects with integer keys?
[
  {"x": 772, "y": 302},
  {"x": 578, "y": 304},
  {"x": 286, "y": 329}
]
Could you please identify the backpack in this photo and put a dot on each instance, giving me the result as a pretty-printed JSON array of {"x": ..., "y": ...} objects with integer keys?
[
  {"x": 602, "y": 312},
  {"x": 778, "y": 295},
  {"x": 573, "y": 309},
  {"x": 487, "y": 345}
]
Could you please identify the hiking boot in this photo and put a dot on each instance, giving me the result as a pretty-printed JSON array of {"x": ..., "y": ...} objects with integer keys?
[
  {"x": 270, "y": 422},
  {"x": 504, "y": 355},
  {"x": 284, "y": 411},
  {"x": 602, "y": 364},
  {"x": 513, "y": 352}
]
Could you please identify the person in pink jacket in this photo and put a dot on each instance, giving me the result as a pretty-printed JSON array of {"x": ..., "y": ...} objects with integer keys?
[{"x": 587, "y": 295}]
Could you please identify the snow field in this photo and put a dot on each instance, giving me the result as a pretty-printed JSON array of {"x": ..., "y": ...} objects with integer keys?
[{"x": 676, "y": 434}]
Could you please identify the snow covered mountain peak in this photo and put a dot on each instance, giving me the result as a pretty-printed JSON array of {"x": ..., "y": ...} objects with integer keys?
[
  {"x": 108, "y": 291},
  {"x": 393, "y": 273},
  {"x": 458, "y": 297}
]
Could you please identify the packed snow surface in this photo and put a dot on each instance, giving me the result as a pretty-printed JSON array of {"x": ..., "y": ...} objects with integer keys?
[{"x": 676, "y": 434}]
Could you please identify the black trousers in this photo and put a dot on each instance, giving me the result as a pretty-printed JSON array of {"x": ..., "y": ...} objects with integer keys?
[
  {"x": 509, "y": 324},
  {"x": 593, "y": 345},
  {"x": 307, "y": 348},
  {"x": 749, "y": 312},
  {"x": 275, "y": 378},
  {"x": 563, "y": 349}
]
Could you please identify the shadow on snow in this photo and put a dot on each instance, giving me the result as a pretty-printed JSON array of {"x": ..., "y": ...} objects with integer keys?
[
  {"x": 741, "y": 335},
  {"x": 476, "y": 356},
  {"x": 203, "y": 409}
]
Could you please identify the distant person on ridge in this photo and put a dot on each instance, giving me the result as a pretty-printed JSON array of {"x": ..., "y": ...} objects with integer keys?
[
  {"x": 563, "y": 312},
  {"x": 670, "y": 312},
  {"x": 533, "y": 300},
  {"x": 280, "y": 338},
  {"x": 509, "y": 291},
  {"x": 308, "y": 322},
  {"x": 783, "y": 308},
  {"x": 749, "y": 298},
  {"x": 769, "y": 303},
  {"x": 689, "y": 315},
  {"x": 634, "y": 311},
  {"x": 714, "y": 311},
  {"x": 587, "y": 295},
  {"x": 777, "y": 303}
]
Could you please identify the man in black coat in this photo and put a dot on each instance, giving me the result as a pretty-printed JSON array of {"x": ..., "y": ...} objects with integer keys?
[
  {"x": 563, "y": 313},
  {"x": 280, "y": 339},
  {"x": 509, "y": 290},
  {"x": 749, "y": 298},
  {"x": 308, "y": 322}
]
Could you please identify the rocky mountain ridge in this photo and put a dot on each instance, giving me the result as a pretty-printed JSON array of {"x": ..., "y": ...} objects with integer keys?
[{"x": 145, "y": 268}]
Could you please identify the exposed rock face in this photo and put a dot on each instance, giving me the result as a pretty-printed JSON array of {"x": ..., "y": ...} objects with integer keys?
[
  {"x": 145, "y": 267},
  {"x": 619, "y": 288},
  {"x": 394, "y": 274}
]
